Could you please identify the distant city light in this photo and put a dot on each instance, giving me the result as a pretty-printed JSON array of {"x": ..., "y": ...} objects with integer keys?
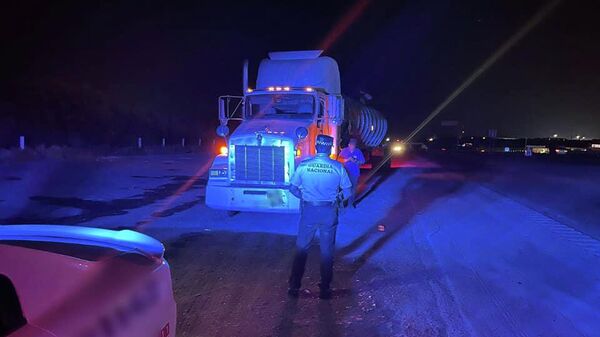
[
  {"x": 271, "y": 88},
  {"x": 430, "y": 139},
  {"x": 483, "y": 138},
  {"x": 555, "y": 135},
  {"x": 286, "y": 88},
  {"x": 249, "y": 90},
  {"x": 309, "y": 89},
  {"x": 577, "y": 137},
  {"x": 582, "y": 138},
  {"x": 387, "y": 139}
]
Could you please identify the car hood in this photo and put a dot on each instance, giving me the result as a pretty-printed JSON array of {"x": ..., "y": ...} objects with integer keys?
[{"x": 122, "y": 240}]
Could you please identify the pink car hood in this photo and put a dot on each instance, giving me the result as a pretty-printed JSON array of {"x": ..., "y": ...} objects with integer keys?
[{"x": 74, "y": 293}]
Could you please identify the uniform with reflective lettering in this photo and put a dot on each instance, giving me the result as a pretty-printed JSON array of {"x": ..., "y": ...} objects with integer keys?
[{"x": 320, "y": 178}]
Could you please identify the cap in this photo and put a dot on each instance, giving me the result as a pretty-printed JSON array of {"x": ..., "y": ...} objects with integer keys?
[{"x": 324, "y": 140}]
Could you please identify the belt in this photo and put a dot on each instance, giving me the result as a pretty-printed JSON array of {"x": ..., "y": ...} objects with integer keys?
[{"x": 319, "y": 203}]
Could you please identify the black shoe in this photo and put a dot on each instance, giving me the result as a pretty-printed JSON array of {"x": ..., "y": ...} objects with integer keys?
[
  {"x": 325, "y": 294},
  {"x": 293, "y": 292}
]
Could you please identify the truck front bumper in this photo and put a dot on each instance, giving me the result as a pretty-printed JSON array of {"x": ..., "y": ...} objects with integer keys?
[{"x": 254, "y": 198}]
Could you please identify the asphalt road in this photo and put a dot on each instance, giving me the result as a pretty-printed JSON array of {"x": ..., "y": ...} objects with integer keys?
[{"x": 472, "y": 246}]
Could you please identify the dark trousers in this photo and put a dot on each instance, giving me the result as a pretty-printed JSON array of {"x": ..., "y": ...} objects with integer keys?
[
  {"x": 354, "y": 181},
  {"x": 313, "y": 218}
]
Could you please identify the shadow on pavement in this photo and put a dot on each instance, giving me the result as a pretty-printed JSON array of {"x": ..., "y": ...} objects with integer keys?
[
  {"x": 380, "y": 177},
  {"x": 426, "y": 187},
  {"x": 40, "y": 206},
  {"x": 234, "y": 284}
]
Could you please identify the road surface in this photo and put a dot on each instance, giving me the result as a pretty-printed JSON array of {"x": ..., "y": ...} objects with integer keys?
[{"x": 468, "y": 249}]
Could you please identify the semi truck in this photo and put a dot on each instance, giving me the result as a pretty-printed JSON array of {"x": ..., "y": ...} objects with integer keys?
[{"x": 297, "y": 96}]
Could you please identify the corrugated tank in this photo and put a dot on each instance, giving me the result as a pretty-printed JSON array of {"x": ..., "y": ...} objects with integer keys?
[{"x": 365, "y": 123}]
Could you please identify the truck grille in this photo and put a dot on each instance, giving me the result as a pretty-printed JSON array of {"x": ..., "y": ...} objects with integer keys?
[{"x": 261, "y": 164}]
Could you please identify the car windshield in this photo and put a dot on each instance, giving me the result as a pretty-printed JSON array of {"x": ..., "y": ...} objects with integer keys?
[{"x": 280, "y": 105}]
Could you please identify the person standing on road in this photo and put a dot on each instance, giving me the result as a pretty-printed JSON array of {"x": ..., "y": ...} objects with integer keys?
[
  {"x": 352, "y": 158},
  {"x": 318, "y": 182}
]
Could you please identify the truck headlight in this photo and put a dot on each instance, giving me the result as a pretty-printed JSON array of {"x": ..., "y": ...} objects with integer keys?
[{"x": 398, "y": 148}]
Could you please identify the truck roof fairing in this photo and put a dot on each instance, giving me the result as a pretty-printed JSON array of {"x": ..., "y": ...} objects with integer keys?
[
  {"x": 295, "y": 55},
  {"x": 299, "y": 69}
]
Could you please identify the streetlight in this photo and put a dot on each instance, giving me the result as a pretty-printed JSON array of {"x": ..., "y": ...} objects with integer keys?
[
  {"x": 555, "y": 135},
  {"x": 577, "y": 137}
]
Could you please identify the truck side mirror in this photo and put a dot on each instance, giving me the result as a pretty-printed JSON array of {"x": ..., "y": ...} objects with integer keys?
[
  {"x": 222, "y": 131},
  {"x": 222, "y": 113},
  {"x": 301, "y": 132}
]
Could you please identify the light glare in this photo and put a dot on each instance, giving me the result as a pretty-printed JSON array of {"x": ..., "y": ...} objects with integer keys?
[{"x": 223, "y": 150}]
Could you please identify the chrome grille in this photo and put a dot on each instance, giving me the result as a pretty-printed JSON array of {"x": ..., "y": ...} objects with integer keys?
[{"x": 262, "y": 164}]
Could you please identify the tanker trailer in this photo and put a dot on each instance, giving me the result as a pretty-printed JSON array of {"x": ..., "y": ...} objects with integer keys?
[
  {"x": 363, "y": 123},
  {"x": 368, "y": 126}
]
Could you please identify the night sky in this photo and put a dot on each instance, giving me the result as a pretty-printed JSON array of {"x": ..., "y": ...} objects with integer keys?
[{"x": 171, "y": 60}]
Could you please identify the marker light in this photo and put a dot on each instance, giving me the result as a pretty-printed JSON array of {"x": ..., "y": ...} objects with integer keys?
[
  {"x": 286, "y": 88},
  {"x": 309, "y": 89},
  {"x": 271, "y": 88},
  {"x": 223, "y": 150}
]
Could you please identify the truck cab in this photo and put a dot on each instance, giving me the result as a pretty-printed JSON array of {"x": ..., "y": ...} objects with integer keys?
[{"x": 297, "y": 97}]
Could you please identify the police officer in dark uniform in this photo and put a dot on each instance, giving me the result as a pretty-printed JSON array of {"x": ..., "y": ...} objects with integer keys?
[{"x": 318, "y": 182}]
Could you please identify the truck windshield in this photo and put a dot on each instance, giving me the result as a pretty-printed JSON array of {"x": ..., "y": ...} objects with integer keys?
[{"x": 284, "y": 105}]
